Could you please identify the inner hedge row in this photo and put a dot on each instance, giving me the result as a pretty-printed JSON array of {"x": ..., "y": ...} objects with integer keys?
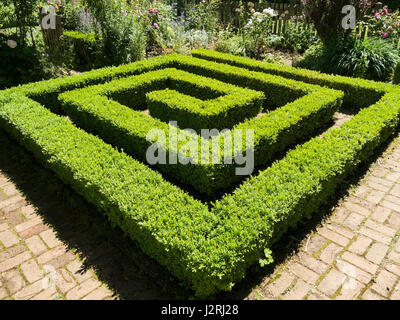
[
  {"x": 221, "y": 105},
  {"x": 359, "y": 93},
  {"x": 127, "y": 129}
]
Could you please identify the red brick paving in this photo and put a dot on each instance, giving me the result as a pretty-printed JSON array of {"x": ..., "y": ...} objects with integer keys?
[
  {"x": 34, "y": 264},
  {"x": 355, "y": 253}
]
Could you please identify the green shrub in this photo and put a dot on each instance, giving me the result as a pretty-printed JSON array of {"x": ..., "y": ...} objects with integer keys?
[
  {"x": 18, "y": 65},
  {"x": 359, "y": 93},
  {"x": 369, "y": 59},
  {"x": 123, "y": 38},
  {"x": 372, "y": 58},
  {"x": 84, "y": 48},
  {"x": 396, "y": 75},
  {"x": 317, "y": 58},
  {"x": 126, "y": 129},
  {"x": 71, "y": 15},
  {"x": 296, "y": 38},
  {"x": 210, "y": 249}
]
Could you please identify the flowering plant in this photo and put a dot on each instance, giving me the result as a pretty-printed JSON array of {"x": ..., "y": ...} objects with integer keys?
[
  {"x": 385, "y": 25},
  {"x": 56, "y": 4},
  {"x": 260, "y": 21},
  {"x": 256, "y": 30}
]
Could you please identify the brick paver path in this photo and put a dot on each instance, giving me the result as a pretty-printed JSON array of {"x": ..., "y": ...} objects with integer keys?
[
  {"x": 355, "y": 252},
  {"x": 34, "y": 263},
  {"x": 44, "y": 250}
]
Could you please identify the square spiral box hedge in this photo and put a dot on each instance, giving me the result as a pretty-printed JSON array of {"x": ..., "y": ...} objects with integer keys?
[{"x": 209, "y": 248}]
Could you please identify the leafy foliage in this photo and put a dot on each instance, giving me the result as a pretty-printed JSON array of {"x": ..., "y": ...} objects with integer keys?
[
  {"x": 327, "y": 15},
  {"x": 370, "y": 58},
  {"x": 396, "y": 76},
  {"x": 123, "y": 38},
  {"x": 18, "y": 65},
  {"x": 208, "y": 248},
  {"x": 84, "y": 48}
]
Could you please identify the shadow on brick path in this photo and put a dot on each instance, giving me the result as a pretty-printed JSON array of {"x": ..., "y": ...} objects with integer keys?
[{"x": 115, "y": 259}]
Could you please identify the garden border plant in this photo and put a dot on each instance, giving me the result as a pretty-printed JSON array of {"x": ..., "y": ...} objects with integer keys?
[{"x": 210, "y": 249}]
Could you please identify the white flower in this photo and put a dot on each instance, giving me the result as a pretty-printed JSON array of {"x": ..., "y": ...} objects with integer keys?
[
  {"x": 269, "y": 11},
  {"x": 12, "y": 44}
]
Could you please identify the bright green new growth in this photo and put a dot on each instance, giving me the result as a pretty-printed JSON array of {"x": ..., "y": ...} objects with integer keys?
[
  {"x": 92, "y": 109},
  {"x": 77, "y": 35},
  {"x": 210, "y": 249},
  {"x": 221, "y": 105}
]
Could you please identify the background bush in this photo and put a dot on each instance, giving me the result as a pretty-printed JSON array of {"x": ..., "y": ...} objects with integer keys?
[
  {"x": 371, "y": 58},
  {"x": 122, "y": 37},
  {"x": 18, "y": 65}
]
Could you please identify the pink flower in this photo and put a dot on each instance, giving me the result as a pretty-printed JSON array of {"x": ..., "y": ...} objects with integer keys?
[
  {"x": 155, "y": 26},
  {"x": 385, "y": 11},
  {"x": 379, "y": 32},
  {"x": 59, "y": 2},
  {"x": 153, "y": 11},
  {"x": 389, "y": 28},
  {"x": 385, "y": 35},
  {"x": 377, "y": 15},
  {"x": 139, "y": 12},
  {"x": 124, "y": 13}
]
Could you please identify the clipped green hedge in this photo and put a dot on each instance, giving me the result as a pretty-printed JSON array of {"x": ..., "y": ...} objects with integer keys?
[
  {"x": 210, "y": 249},
  {"x": 77, "y": 35},
  {"x": 84, "y": 49},
  {"x": 92, "y": 110},
  {"x": 167, "y": 223},
  {"x": 359, "y": 93},
  {"x": 262, "y": 209},
  {"x": 198, "y": 103}
]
